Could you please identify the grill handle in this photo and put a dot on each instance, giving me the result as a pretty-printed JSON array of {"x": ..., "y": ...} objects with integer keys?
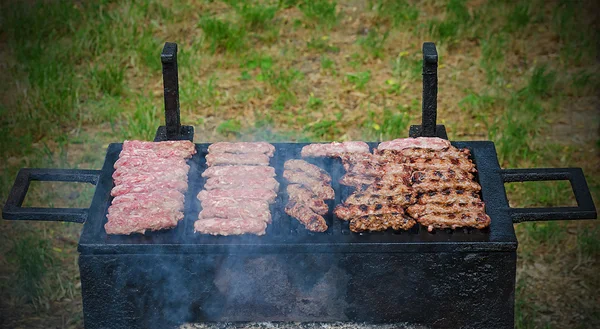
[
  {"x": 585, "y": 205},
  {"x": 13, "y": 210},
  {"x": 172, "y": 130}
]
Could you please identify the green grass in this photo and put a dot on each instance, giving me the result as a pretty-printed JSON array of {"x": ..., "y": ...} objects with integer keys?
[
  {"x": 222, "y": 35},
  {"x": 387, "y": 125},
  {"x": 396, "y": 12},
  {"x": 456, "y": 20},
  {"x": 256, "y": 17},
  {"x": 359, "y": 79},
  {"x": 321, "y": 12},
  {"x": 373, "y": 43}
]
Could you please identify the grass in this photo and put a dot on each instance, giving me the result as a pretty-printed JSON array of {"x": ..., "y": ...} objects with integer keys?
[{"x": 80, "y": 75}]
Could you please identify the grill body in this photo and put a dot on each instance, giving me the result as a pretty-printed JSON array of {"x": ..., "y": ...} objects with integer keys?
[{"x": 444, "y": 279}]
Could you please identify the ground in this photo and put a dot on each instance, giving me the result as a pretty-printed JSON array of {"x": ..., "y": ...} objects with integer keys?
[{"x": 78, "y": 76}]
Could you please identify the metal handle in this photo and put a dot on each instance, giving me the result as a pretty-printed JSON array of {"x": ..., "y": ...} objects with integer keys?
[
  {"x": 168, "y": 58},
  {"x": 13, "y": 210},
  {"x": 585, "y": 205},
  {"x": 172, "y": 130},
  {"x": 428, "y": 127}
]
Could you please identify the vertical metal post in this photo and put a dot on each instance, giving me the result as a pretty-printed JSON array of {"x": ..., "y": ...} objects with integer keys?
[
  {"x": 168, "y": 58},
  {"x": 430, "y": 89}
]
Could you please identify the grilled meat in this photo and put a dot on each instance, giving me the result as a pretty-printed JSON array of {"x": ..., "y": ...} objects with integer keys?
[
  {"x": 127, "y": 163},
  {"x": 451, "y": 153},
  {"x": 368, "y": 199},
  {"x": 237, "y": 182},
  {"x": 312, "y": 221},
  {"x": 149, "y": 197},
  {"x": 357, "y": 181},
  {"x": 464, "y": 184},
  {"x": 301, "y": 195},
  {"x": 242, "y": 147},
  {"x": 462, "y": 219},
  {"x": 132, "y": 177},
  {"x": 395, "y": 221},
  {"x": 239, "y": 171},
  {"x": 249, "y": 159},
  {"x": 235, "y": 203},
  {"x": 309, "y": 169},
  {"x": 449, "y": 196},
  {"x": 347, "y": 212},
  {"x": 334, "y": 149},
  {"x": 319, "y": 188},
  {"x": 151, "y": 185},
  {"x": 431, "y": 143},
  {"x": 238, "y": 226},
  {"x": 243, "y": 212},
  {"x": 440, "y": 164},
  {"x": 418, "y": 177},
  {"x": 128, "y": 220},
  {"x": 259, "y": 194},
  {"x": 419, "y": 210},
  {"x": 168, "y": 149}
]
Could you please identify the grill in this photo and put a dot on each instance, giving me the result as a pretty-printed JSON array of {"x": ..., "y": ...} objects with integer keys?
[{"x": 449, "y": 278}]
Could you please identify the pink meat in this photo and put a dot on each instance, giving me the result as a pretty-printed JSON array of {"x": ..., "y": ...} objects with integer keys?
[
  {"x": 127, "y": 221},
  {"x": 150, "y": 197},
  {"x": 242, "y": 147},
  {"x": 250, "y": 159},
  {"x": 127, "y": 187},
  {"x": 236, "y": 213},
  {"x": 220, "y": 226},
  {"x": 152, "y": 168},
  {"x": 334, "y": 149},
  {"x": 147, "y": 178},
  {"x": 243, "y": 171},
  {"x": 431, "y": 143},
  {"x": 259, "y": 194},
  {"x": 148, "y": 163},
  {"x": 182, "y": 149},
  {"x": 237, "y": 182},
  {"x": 235, "y": 203}
]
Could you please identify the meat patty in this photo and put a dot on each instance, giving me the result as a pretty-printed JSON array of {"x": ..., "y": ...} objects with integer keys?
[
  {"x": 462, "y": 219},
  {"x": 347, "y": 212},
  {"x": 319, "y": 188},
  {"x": 249, "y": 159},
  {"x": 259, "y": 194},
  {"x": 449, "y": 196},
  {"x": 309, "y": 169},
  {"x": 431, "y": 143},
  {"x": 173, "y": 195},
  {"x": 236, "y": 203},
  {"x": 418, "y": 177},
  {"x": 334, "y": 149},
  {"x": 221, "y": 226},
  {"x": 440, "y": 164},
  {"x": 239, "y": 171},
  {"x": 301, "y": 195},
  {"x": 357, "y": 181},
  {"x": 235, "y": 213},
  {"x": 451, "y": 153},
  {"x": 395, "y": 221},
  {"x": 149, "y": 186},
  {"x": 149, "y": 164},
  {"x": 242, "y": 147},
  {"x": 139, "y": 220},
  {"x": 149, "y": 177},
  {"x": 237, "y": 182},
  {"x": 167, "y": 149},
  {"x": 368, "y": 199},
  {"x": 419, "y": 210},
  {"x": 312, "y": 221},
  {"x": 145, "y": 201},
  {"x": 463, "y": 184}
]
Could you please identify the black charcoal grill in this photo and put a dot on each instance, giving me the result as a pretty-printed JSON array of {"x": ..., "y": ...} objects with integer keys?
[{"x": 446, "y": 279}]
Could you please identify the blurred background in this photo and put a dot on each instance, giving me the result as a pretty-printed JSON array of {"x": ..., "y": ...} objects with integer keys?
[{"x": 78, "y": 75}]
